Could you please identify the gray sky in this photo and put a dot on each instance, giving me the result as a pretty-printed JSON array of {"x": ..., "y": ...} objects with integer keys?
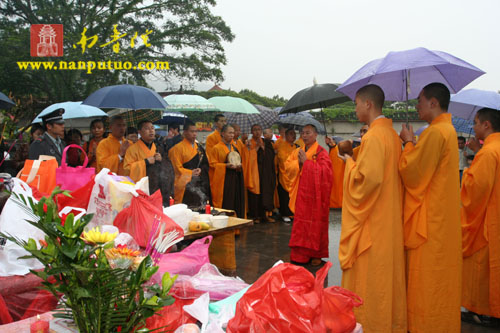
[{"x": 281, "y": 45}]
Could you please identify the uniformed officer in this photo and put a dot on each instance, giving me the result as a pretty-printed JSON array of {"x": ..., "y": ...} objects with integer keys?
[{"x": 50, "y": 143}]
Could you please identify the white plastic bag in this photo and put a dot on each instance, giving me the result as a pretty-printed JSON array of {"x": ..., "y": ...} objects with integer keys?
[
  {"x": 109, "y": 196},
  {"x": 13, "y": 222}
]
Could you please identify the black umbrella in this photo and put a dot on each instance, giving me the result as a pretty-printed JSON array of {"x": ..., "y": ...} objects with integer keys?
[
  {"x": 314, "y": 97},
  {"x": 5, "y": 102},
  {"x": 301, "y": 121}
]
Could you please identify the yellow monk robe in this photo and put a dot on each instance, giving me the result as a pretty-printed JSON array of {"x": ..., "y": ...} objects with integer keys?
[
  {"x": 338, "y": 166},
  {"x": 355, "y": 152},
  {"x": 179, "y": 154},
  {"x": 300, "y": 142},
  {"x": 253, "y": 182},
  {"x": 433, "y": 236},
  {"x": 211, "y": 141},
  {"x": 217, "y": 160},
  {"x": 107, "y": 155},
  {"x": 134, "y": 159},
  {"x": 371, "y": 250},
  {"x": 481, "y": 230},
  {"x": 284, "y": 151},
  {"x": 243, "y": 150}
]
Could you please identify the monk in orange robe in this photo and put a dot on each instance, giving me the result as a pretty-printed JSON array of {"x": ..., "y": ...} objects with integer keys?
[
  {"x": 480, "y": 215},
  {"x": 214, "y": 138},
  {"x": 263, "y": 176},
  {"x": 300, "y": 142},
  {"x": 143, "y": 159},
  {"x": 227, "y": 185},
  {"x": 111, "y": 151},
  {"x": 432, "y": 232},
  {"x": 371, "y": 250},
  {"x": 309, "y": 171},
  {"x": 192, "y": 186},
  {"x": 284, "y": 150},
  {"x": 90, "y": 147}
]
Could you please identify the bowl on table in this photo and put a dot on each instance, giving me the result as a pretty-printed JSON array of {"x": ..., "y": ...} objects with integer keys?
[{"x": 220, "y": 221}]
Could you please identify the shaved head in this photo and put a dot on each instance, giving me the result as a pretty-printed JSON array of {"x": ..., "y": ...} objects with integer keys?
[{"x": 372, "y": 93}]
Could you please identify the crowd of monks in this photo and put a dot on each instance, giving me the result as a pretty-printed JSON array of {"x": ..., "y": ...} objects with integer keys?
[{"x": 415, "y": 244}]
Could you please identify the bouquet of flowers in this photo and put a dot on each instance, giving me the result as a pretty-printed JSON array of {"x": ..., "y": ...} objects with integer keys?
[{"x": 104, "y": 288}]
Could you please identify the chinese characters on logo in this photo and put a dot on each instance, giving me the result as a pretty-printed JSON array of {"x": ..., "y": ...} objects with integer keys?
[{"x": 88, "y": 42}]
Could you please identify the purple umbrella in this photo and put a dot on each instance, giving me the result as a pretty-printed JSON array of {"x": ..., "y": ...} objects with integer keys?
[
  {"x": 466, "y": 103},
  {"x": 403, "y": 74}
]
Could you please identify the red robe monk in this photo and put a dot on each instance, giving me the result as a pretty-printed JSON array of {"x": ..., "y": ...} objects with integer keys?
[
  {"x": 371, "y": 250},
  {"x": 481, "y": 219},
  {"x": 111, "y": 151},
  {"x": 190, "y": 163},
  {"x": 227, "y": 184},
  {"x": 309, "y": 171},
  {"x": 433, "y": 236}
]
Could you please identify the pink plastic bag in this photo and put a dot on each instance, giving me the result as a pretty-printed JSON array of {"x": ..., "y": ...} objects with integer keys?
[
  {"x": 187, "y": 261},
  {"x": 71, "y": 179},
  {"x": 210, "y": 280}
]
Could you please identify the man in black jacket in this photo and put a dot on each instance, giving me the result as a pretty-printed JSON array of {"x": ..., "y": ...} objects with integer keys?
[{"x": 50, "y": 143}]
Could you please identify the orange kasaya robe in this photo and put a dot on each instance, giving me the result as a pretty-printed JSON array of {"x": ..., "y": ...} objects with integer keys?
[
  {"x": 134, "y": 160},
  {"x": 481, "y": 230},
  {"x": 355, "y": 152},
  {"x": 284, "y": 151},
  {"x": 211, "y": 141},
  {"x": 253, "y": 181},
  {"x": 338, "y": 166},
  {"x": 87, "y": 147},
  {"x": 310, "y": 188},
  {"x": 179, "y": 154},
  {"x": 107, "y": 155},
  {"x": 371, "y": 250},
  {"x": 433, "y": 236},
  {"x": 217, "y": 160},
  {"x": 300, "y": 142}
]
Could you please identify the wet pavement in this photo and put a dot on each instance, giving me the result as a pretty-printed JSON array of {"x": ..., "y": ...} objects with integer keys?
[{"x": 260, "y": 246}]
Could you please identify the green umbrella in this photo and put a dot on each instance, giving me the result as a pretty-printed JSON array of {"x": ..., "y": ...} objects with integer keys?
[
  {"x": 189, "y": 103},
  {"x": 233, "y": 104}
]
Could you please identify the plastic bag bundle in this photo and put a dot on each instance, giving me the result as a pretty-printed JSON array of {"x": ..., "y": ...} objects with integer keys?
[{"x": 287, "y": 298}]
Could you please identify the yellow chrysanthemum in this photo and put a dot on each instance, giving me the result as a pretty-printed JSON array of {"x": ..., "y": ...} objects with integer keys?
[
  {"x": 94, "y": 236},
  {"x": 121, "y": 251}
]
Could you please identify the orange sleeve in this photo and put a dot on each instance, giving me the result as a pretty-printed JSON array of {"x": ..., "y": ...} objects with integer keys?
[
  {"x": 107, "y": 156},
  {"x": 218, "y": 164},
  {"x": 178, "y": 156}
]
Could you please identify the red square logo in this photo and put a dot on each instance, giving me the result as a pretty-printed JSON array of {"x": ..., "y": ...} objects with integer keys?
[{"x": 46, "y": 40}]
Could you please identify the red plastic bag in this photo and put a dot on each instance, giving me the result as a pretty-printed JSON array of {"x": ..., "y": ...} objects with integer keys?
[
  {"x": 80, "y": 197},
  {"x": 287, "y": 298},
  {"x": 137, "y": 219},
  {"x": 170, "y": 317},
  {"x": 186, "y": 262},
  {"x": 337, "y": 309}
]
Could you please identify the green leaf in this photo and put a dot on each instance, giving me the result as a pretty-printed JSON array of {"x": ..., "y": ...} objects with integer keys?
[
  {"x": 82, "y": 293},
  {"x": 31, "y": 246},
  {"x": 70, "y": 250}
]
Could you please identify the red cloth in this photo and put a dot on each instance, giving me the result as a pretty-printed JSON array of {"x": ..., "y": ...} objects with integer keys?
[
  {"x": 21, "y": 297},
  {"x": 309, "y": 237}
]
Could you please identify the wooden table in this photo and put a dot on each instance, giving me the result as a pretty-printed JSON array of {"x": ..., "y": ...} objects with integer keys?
[{"x": 232, "y": 224}]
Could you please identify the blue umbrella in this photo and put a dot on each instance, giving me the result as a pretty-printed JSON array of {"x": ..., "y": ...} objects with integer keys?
[
  {"x": 5, "y": 102},
  {"x": 463, "y": 125},
  {"x": 126, "y": 96},
  {"x": 171, "y": 117},
  {"x": 403, "y": 74},
  {"x": 75, "y": 114},
  {"x": 466, "y": 103}
]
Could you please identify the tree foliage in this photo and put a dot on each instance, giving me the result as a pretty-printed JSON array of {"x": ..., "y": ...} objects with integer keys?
[{"x": 183, "y": 32}]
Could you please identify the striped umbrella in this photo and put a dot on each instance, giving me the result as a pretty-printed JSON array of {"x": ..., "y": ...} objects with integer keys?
[
  {"x": 134, "y": 117},
  {"x": 265, "y": 118}
]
